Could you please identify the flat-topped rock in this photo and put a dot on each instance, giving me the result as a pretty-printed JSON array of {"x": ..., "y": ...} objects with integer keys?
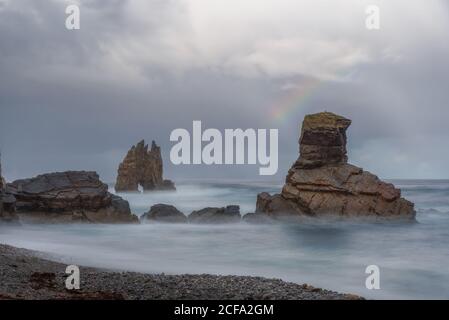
[
  {"x": 323, "y": 140},
  {"x": 142, "y": 167},
  {"x": 214, "y": 215},
  {"x": 321, "y": 182},
  {"x": 71, "y": 196}
]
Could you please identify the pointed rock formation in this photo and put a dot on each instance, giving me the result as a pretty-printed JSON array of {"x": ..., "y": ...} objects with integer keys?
[
  {"x": 142, "y": 167},
  {"x": 71, "y": 196},
  {"x": 321, "y": 182}
]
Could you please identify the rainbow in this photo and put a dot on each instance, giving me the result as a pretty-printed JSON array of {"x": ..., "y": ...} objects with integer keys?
[{"x": 296, "y": 97}]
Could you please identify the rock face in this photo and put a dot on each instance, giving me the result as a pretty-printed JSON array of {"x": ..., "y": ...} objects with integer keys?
[
  {"x": 211, "y": 215},
  {"x": 7, "y": 203},
  {"x": 142, "y": 167},
  {"x": 322, "y": 141},
  {"x": 164, "y": 213},
  {"x": 321, "y": 182},
  {"x": 72, "y": 196}
]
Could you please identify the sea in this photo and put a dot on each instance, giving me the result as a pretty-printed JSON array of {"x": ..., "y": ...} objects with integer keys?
[{"x": 412, "y": 258}]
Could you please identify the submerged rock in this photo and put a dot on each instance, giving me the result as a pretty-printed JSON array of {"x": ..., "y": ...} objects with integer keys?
[
  {"x": 71, "y": 196},
  {"x": 142, "y": 167},
  {"x": 321, "y": 182},
  {"x": 164, "y": 213},
  {"x": 213, "y": 215}
]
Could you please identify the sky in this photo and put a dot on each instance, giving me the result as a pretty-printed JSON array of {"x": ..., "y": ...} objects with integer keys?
[{"x": 138, "y": 69}]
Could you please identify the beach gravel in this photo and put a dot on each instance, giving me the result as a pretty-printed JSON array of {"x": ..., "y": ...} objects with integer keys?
[{"x": 26, "y": 274}]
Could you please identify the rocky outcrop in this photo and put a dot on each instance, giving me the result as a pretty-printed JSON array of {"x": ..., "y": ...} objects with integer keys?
[
  {"x": 321, "y": 182},
  {"x": 72, "y": 196},
  {"x": 142, "y": 167},
  {"x": 212, "y": 215},
  {"x": 7, "y": 203},
  {"x": 164, "y": 213}
]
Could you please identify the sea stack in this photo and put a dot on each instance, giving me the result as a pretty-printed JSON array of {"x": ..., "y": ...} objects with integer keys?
[
  {"x": 142, "y": 167},
  {"x": 322, "y": 182}
]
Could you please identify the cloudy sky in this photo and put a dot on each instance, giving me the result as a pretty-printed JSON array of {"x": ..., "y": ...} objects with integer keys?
[{"x": 141, "y": 68}]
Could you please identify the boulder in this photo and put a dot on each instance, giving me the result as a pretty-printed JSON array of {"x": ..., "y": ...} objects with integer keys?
[
  {"x": 142, "y": 167},
  {"x": 212, "y": 215},
  {"x": 71, "y": 196},
  {"x": 321, "y": 182},
  {"x": 164, "y": 213}
]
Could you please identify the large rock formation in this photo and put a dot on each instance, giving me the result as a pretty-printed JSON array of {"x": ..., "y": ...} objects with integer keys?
[
  {"x": 72, "y": 196},
  {"x": 7, "y": 203},
  {"x": 142, "y": 167},
  {"x": 321, "y": 182}
]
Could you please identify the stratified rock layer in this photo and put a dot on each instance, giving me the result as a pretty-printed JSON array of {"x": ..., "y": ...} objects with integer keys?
[
  {"x": 142, "y": 167},
  {"x": 321, "y": 182},
  {"x": 72, "y": 196},
  {"x": 323, "y": 140}
]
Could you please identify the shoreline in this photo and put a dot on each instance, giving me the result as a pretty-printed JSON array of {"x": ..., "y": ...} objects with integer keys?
[{"x": 30, "y": 275}]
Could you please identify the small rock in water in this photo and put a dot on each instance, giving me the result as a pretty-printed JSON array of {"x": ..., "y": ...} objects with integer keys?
[
  {"x": 212, "y": 215},
  {"x": 256, "y": 218},
  {"x": 164, "y": 213}
]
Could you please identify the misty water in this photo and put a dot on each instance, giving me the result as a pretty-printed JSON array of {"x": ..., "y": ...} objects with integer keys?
[{"x": 413, "y": 258}]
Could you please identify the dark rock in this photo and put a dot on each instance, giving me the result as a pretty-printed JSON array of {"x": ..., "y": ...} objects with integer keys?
[
  {"x": 142, "y": 167},
  {"x": 72, "y": 196},
  {"x": 257, "y": 218},
  {"x": 212, "y": 215},
  {"x": 164, "y": 213},
  {"x": 321, "y": 182}
]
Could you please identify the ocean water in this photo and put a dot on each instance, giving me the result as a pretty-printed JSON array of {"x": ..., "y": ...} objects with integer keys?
[{"x": 413, "y": 258}]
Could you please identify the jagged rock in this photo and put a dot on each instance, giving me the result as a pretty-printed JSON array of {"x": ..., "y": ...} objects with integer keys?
[
  {"x": 71, "y": 196},
  {"x": 164, "y": 213},
  {"x": 142, "y": 167},
  {"x": 212, "y": 215},
  {"x": 321, "y": 182}
]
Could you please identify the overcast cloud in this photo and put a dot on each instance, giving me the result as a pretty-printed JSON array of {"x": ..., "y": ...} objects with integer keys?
[{"x": 141, "y": 68}]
